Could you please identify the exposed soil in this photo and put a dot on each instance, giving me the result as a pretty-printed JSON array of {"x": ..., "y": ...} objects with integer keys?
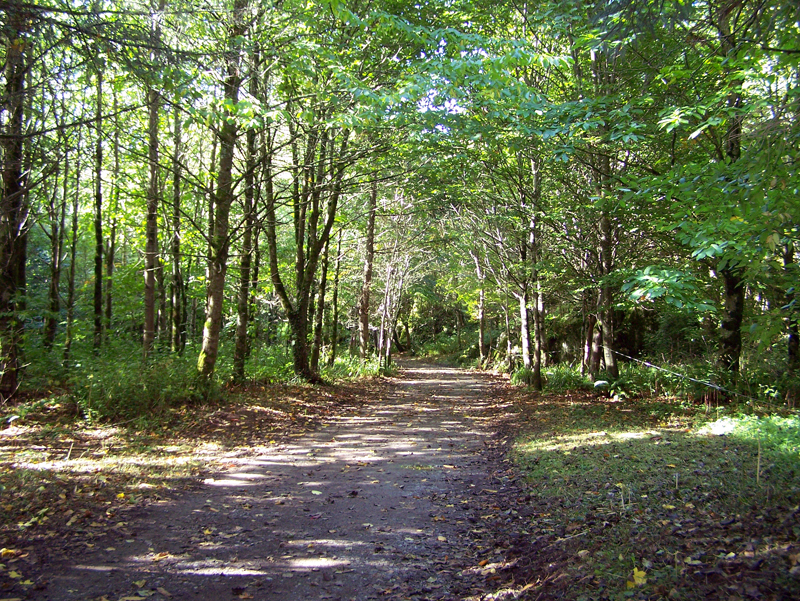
[{"x": 405, "y": 496}]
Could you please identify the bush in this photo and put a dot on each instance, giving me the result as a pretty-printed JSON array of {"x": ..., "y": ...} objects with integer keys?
[
  {"x": 563, "y": 377},
  {"x": 523, "y": 376},
  {"x": 120, "y": 386},
  {"x": 270, "y": 363},
  {"x": 350, "y": 367}
]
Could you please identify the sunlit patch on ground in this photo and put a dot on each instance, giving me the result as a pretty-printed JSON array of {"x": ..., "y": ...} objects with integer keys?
[{"x": 625, "y": 506}]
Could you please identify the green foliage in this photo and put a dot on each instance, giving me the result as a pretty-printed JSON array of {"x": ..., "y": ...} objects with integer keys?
[
  {"x": 564, "y": 377},
  {"x": 349, "y": 367},
  {"x": 522, "y": 376},
  {"x": 118, "y": 386},
  {"x": 270, "y": 363}
]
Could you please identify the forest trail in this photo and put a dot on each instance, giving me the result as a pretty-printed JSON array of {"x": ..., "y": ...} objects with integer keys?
[{"x": 388, "y": 503}]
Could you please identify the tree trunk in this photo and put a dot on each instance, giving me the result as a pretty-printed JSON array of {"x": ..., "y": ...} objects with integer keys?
[
  {"x": 481, "y": 308},
  {"x": 509, "y": 354},
  {"x": 13, "y": 205},
  {"x": 793, "y": 339},
  {"x": 363, "y": 301},
  {"x": 316, "y": 348},
  {"x": 335, "y": 301},
  {"x": 57, "y": 214},
  {"x": 177, "y": 304},
  {"x": 73, "y": 253},
  {"x": 98, "y": 219},
  {"x": 733, "y": 305},
  {"x": 220, "y": 242},
  {"x": 597, "y": 350},
  {"x": 151, "y": 226},
  {"x": 537, "y": 337},
  {"x": 112, "y": 242},
  {"x": 151, "y": 259},
  {"x": 589, "y": 322},
  {"x": 111, "y": 250},
  {"x": 731, "y": 326},
  {"x": 524, "y": 328},
  {"x": 245, "y": 261},
  {"x": 311, "y": 235},
  {"x": 605, "y": 314}
]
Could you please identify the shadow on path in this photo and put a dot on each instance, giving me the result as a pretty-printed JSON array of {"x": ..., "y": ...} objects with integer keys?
[{"x": 383, "y": 504}]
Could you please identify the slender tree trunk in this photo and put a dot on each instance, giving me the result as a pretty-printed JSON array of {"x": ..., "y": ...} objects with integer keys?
[
  {"x": 112, "y": 242},
  {"x": 220, "y": 242},
  {"x": 509, "y": 347},
  {"x": 793, "y": 339},
  {"x": 13, "y": 209},
  {"x": 335, "y": 302},
  {"x": 73, "y": 253},
  {"x": 162, "y": 329},
  {"x": 589, "y": 322},
  {"x": 255, "y": 331},
  {"x": 57, "y": 213},
  {"x": 481, "y": 308},
  {"x": 98, "y": 219},
  {"x": 177, "y": 304},
  {"x": 537, "y": 336},
  {"x": 363, "y": 301},
  {"x": 316, "y": 348},
  {"x": 597, "y": 351},
  {"x": 524, "y": 328},
  {"x": 733, "y": 304},
  {"x": 111, "y": 249},
  {"x": 606, "y": 313},
  {"x": 383, "y": 338},
  {"x": 151, "y": 226},
  {"x": 539, "y": 333},
  {"x": 243, "y": 298}
]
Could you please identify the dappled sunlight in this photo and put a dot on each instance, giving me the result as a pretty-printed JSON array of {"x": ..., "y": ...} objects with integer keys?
[
  {"x": 568, "y": 442},
  {"x": 361, "y": 494}
]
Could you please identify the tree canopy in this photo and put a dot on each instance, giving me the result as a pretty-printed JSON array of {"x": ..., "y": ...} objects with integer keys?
[{"x": 240, "y": 189}]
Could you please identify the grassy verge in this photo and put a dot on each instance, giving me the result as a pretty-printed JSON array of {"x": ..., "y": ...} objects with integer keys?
[{"x": 641, "y": 499}]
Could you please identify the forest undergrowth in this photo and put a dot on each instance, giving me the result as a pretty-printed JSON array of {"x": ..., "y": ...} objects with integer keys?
[{"x": 654, "y": 498}]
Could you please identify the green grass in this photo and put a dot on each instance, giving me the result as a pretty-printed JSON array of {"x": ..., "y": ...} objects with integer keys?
[{"x": 647, "y": 485}]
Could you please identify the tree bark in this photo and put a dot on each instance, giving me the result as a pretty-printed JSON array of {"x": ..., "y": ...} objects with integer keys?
[
  {"x": 98, "y": 218},
  {"x": 151, "y": 259},
  {"x": 57, "y": 215},
  {"x": 524, "y": 328},
  {"x": 177, "y": 304},
  {"x": 220, "y": 242},
  {"x": 245, "y": 261},
  {"x": 335, "y": 302},
  {"x": 793, "y": 339},
  {"x": 13, "y": 203},
  {"x": 369, "y": 254},
  {"x": 316, "y": 348},
  {"x": 731, "y": 326},
  {"x": 112, "y": 241},
  {"x": 605, "y": 314},
  {"x": 481, "y": 308},
  {"x": 311, "y": 235},
  {"x": 73, "y": 253},
  {"x": 733, "y": 281}
]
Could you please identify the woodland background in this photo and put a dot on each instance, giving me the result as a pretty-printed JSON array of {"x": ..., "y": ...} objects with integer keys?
[{"x": 202, "y": 192}]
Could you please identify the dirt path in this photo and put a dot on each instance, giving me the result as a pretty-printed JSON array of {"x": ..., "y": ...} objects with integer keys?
[{"x": 395, "y": 502}]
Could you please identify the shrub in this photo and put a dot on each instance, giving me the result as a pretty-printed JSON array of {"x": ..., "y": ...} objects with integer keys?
[{"x": 523, "y": 376}]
